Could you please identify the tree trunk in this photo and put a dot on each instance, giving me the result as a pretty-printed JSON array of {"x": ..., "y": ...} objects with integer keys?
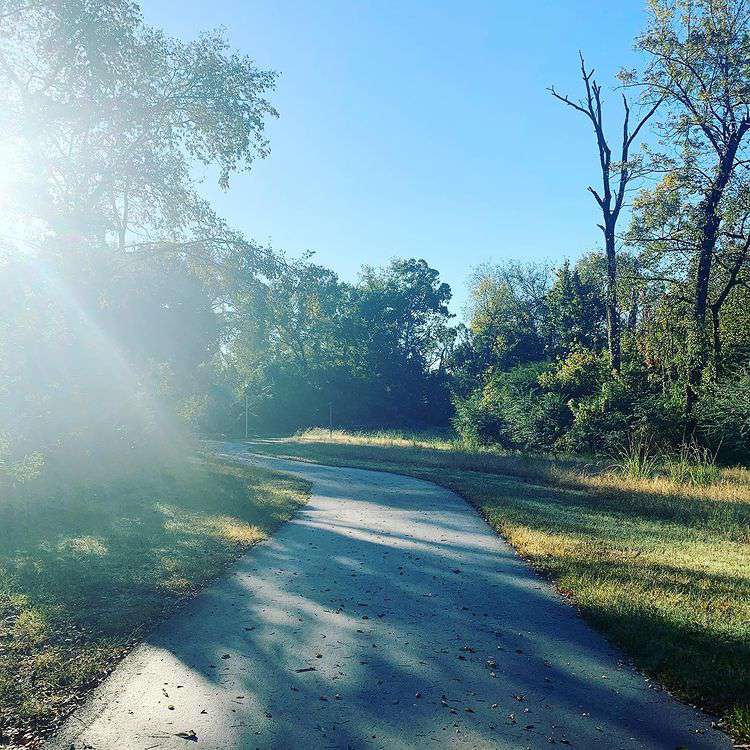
[
  {"x": 716, "y": 330},
  {"x": 711, "y": 220},
  {"x": 613, "y": 313},
  {"x": 633, "y": 313},
  {"x": 698, "y": 356}
]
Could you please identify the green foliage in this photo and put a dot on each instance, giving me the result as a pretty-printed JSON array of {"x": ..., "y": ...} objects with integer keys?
[
  {"x": 581, "y": 373},
  {"x": 574, "y": 313},
  {"x": 475, "y": 422},
  {"x": 597, "y": 427},
  {"x": 662, "y": 414},
  {"x": 508, "y": 314},
  {"x": 113, "y": 296},
  {"x": 576, "y": 403},
  {"x": 375, "y": 353},
  {"x": 514, "y": 411},
  {"x": 725, "y": 415}
]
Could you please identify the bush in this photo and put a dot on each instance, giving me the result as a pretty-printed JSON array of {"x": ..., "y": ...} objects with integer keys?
[
  {"x": 579, "y": 374},
  {"x": 724, "y": 416},
  {"x": 662, "y": 415},
  {"x": 474, "y": 422},
  {"x": 579, "y": 405},
  {"x": 513, "y": 410},
  {"x": 597, "y": 426}
]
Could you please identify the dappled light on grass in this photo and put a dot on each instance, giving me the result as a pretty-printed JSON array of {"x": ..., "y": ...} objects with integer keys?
[
  {"x": 87, "y": 567},
  {"x": 82, "y": 545},
  {"x": 226, "y": 528},
  {"x": 662, "y": 567}
]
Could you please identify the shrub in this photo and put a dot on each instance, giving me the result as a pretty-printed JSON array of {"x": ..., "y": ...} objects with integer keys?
[
  {"x": 724, "y": 415},
  {"x": 514, "y": 411},
  {"x": 662, "y": 416},
  {"x": 597, "y": 427},
  {"x": 475, "y": 422},
  {"x": 601, "y": 403},
  {"x": 579, "y": 374}
]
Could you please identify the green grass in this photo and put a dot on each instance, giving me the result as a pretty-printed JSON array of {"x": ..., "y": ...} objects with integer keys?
[
  {"x": 87, "y": 567},
  {"x": 661, "y": 566}
]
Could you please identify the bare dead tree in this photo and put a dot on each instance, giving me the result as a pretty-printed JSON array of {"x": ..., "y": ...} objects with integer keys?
[{"x": 616, "y": 177}]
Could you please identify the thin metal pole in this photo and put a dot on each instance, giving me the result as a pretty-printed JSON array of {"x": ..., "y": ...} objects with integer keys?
[
  {"x": 330, "y": 419},
  {"x": 246, "y": 413}
]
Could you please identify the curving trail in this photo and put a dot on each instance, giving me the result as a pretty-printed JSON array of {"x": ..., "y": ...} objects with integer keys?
[{"x": 387, "y": 614}]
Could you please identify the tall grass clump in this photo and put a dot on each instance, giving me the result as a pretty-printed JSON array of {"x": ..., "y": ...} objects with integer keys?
[
  {"x": 693, "y": 465},
  {"x": 637, "y": 459}
]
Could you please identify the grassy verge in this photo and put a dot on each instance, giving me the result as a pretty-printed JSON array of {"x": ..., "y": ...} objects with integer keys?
[
  {"x": 661, "y": 567},
  {"x": 87, "y": 568}
]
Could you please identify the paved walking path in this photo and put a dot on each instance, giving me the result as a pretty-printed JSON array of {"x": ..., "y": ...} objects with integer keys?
[{"x": 387, "y": 614}]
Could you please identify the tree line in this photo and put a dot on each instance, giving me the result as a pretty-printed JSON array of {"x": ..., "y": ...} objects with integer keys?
[{"x": 128, "y": 304}]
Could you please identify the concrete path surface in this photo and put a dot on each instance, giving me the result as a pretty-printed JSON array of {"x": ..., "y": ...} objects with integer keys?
[{"x": 387, "y": 614}]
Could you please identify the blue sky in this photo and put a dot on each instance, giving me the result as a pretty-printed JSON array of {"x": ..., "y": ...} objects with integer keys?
[{"x": 420, "y": 129}]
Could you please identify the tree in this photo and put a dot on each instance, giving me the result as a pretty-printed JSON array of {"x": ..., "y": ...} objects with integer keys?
[
  {"x": 698, "y": 52},
  {"x": 126, "y": 268},
  {"x": 107, "y": 115},
  {"x": 378, "y": 351},
  {"x": 572, "y": 313},
  {"x": 732, "y": 264},
  {"x": 401, "y": 315},
  {"x": 508, "y": 310},
  {"x": 616, "y": 177}
]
